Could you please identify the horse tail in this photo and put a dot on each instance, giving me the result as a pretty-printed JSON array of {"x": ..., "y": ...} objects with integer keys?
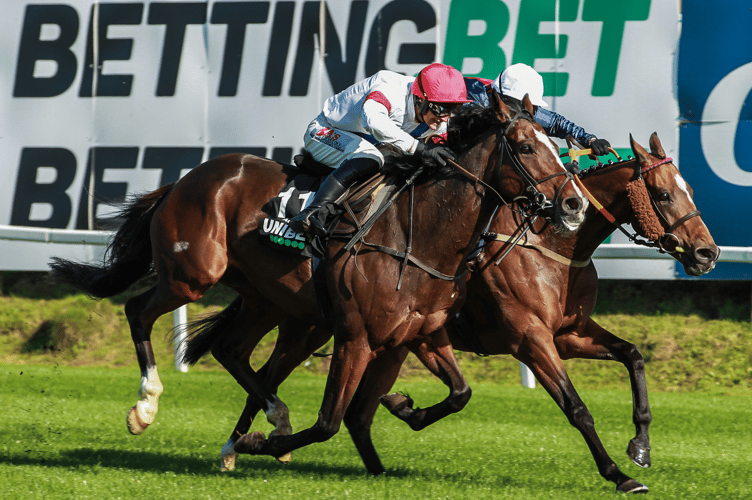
[
  {"x": 127, "y": 258},
  {"x": 202, "y": 332}
]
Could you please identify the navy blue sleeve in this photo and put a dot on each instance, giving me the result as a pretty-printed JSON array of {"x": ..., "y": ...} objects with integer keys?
[
  {"x": 476, "y": 92},
  {"x": 557, "y": 126}
]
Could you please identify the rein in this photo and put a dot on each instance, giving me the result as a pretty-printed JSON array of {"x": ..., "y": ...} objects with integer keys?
[{"x": 538, "y": 202}]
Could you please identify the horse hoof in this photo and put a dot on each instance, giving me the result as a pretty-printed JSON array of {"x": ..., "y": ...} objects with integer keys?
[
  {"x": 227, "y": 462},
  {"x": 228, "y": 457},
  {"x": 632, "y": 486},
  {"x": 640, "y": 456},
  {"x": 250, "y": 443},
  {"x": 397, "y": 404},
  {"x": 135, "y": 425}
]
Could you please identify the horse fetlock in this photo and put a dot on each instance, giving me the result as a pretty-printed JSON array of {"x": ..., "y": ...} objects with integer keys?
[
  {"x": 640, "y": 455},
  {"x": 228, "y": 456},
  {"x": 250, "y": 443},
  {"x": 285, "y": 430}
]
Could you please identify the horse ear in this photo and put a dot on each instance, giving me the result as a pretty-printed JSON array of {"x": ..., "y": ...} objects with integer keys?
[
  {"x": 528, "y": 104},
  {"x": 639, "y": 152},
  {"x": 502, "y": 110},
  {"x": 655, "y": 146}
]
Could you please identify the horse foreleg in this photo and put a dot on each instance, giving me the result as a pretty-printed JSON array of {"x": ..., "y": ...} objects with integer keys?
[
  {"x": 377, "y": 380},
  {"x": 345, "y": 372},
  {"x": 594, "y": 342},
  {"x": 437, "y": 355},
  {"x": 540, "y": 354}
]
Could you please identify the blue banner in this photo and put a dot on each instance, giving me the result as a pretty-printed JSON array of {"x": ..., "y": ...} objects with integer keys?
[{"x": 715, "y": 132}]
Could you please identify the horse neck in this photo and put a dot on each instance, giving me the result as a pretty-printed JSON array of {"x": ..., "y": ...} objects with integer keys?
[{"x": 456, "y": 208}]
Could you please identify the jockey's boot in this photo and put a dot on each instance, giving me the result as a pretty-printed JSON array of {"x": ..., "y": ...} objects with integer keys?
[{"x": 334, "y": 186}]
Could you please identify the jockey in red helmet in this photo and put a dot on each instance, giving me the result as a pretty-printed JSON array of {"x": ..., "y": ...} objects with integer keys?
[{"x": 387, "y": 107}]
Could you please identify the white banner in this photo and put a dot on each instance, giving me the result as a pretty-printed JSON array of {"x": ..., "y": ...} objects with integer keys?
[{"x": 102, "y": 99}]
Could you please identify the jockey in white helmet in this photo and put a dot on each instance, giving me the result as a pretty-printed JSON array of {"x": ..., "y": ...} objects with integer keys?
[{"x": 520, "y": 79}]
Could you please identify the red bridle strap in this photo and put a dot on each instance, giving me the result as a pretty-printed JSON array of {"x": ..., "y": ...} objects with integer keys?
[{"x": 668, "y": 159}]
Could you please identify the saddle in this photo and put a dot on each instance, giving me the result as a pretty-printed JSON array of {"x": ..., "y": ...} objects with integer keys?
[
  {"x": 355, "y": 211},
  {"x": 354, "y": 208}
]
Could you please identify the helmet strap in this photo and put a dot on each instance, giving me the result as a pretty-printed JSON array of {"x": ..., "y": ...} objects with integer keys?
[{"x": 424, "y": 103}]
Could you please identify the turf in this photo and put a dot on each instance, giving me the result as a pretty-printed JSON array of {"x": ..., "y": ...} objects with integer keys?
[{"x": 64, "y": 436}]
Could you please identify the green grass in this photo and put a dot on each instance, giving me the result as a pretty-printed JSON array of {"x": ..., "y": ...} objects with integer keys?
[{"x": 64, "y": 436}]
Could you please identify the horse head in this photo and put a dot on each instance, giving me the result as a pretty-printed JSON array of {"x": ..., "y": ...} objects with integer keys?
[
  {"x": 664, "y": 212},
  {"x": 534, "y": 158}
]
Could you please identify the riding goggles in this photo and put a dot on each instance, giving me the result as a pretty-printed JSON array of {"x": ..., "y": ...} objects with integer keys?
[{"x": 440, "y": 110}]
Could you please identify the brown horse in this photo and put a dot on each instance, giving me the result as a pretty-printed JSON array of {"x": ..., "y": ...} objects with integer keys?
[
  {"x": 204, "y": 229},
  {"x": 536, "y": 304}
]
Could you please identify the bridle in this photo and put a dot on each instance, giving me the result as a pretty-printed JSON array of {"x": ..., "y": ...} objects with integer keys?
[
  {"x": 669, "y": 228},
  {"x": 669, "y": 234},
  {"x": 537, "y": 202}
]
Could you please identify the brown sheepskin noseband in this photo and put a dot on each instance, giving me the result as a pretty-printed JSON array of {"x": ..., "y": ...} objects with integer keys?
[{"x": 649, "y": 224}]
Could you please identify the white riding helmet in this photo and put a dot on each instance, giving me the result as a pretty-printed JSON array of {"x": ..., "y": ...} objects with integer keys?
[{"x": 520, "y": 79}]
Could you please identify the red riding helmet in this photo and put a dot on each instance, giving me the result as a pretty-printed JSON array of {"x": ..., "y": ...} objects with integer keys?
[{"x": 439, "y": 84}]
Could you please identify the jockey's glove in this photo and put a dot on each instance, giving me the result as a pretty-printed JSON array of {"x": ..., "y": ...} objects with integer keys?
[
  {"x": 600, "y": 147},
  {"x": 438, "y": 154}
]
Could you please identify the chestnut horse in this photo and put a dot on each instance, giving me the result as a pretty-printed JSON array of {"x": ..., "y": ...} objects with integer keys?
[
  {"x": 536, "y": 303},
  {"x": 204, "y": 229}
]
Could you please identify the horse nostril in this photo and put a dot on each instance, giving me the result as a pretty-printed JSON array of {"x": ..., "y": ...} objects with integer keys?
[
  {"x": 706, "y": 254},
  {"x": 572, "y": 205}
]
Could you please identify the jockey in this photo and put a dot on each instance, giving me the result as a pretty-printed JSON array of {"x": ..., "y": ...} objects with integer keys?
[
  {"x": 387, "y": 107},
  {"x": 520, "y": 79}
]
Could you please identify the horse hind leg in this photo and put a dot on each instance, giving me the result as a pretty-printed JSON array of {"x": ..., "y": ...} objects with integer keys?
[
  {"x": 377, "y": 380},
  {"x": 438, "y": 356},
  {"x": 142, "y": 311},
  {"x": 233, "y": 347},
  {"x": 349, "y": 362}
]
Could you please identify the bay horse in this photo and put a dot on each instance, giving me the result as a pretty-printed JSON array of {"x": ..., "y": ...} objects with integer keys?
[
  {"x": 536, "y": 304},
  {"x": 204, "y": 229}
]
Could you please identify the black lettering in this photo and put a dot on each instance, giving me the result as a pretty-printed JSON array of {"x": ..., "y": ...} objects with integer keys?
[
  {"x": 103, "y": 193},
  {"x": 32, "y": 49},
  {"x": 341, "y": 70},
  {"x": 171, "y": 161},
  {"x": 104, "y": 15},
  {"x": 236, "y": 16},
  {"x": 279, "y": 47},
  {"x": 176, "y": 16},
  {"x": 29, "y": 191},
  {"x": 419, "y": 12}
]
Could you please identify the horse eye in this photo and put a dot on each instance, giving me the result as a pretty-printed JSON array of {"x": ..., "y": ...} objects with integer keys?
[
  {"x": 664, "y": 196},
  {"x": 526, "y": 149}
]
